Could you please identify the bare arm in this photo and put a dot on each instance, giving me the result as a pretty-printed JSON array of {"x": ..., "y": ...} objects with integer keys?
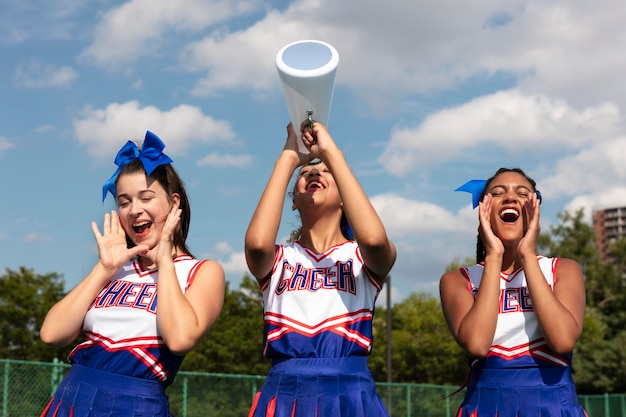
[
  {"x": 379, "y": 253},
  {"x": 262, "y": 231},
  {"x": 183, "y": 319},
  {"x": 64, "y": 321},
  {"x": 560, "y": 311},
  {"x": 472, "y": 321}
]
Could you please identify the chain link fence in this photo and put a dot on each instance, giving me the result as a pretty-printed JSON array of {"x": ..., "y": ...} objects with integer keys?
[{"x": 28, "y": 386}]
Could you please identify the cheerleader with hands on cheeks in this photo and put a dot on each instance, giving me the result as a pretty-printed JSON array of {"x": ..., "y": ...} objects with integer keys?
[
  {"x": 146, "y": 302},
  {"x": 318, "y": 291},
  {"x": 517, "y": 315}
]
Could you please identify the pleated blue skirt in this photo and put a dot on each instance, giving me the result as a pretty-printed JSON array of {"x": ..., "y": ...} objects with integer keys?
[
  {"x": 88, "y": 392},
  {"x": 521, "y": 392},
  {"x": 313, "y": 387}
]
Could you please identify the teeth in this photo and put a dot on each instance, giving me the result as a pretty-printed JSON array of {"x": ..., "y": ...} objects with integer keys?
[
  {"x": 509, "y": 211},
  {"x": 140, "y": 224}
]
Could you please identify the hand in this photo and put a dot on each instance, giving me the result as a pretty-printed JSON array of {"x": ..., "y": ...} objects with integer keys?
[
  {"x": 111, "y": 243},
  {"x": 292, "y": 145},
  {"x": 493, "y": 245},
  {"x": 316, "y": 139},
  {"x": 165, "y": 248},
  {"x": 528, "y": 244}
]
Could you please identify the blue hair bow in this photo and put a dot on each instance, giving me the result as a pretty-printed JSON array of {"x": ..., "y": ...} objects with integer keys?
[
  {"x": 476, "y": 188},
  {"x": 151, "y": 156}
]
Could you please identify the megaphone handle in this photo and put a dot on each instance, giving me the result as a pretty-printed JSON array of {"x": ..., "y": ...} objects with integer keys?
[{"x": 309, "y": 113}]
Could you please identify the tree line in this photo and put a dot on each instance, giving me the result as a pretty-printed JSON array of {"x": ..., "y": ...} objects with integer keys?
[{"x": 422, "y": 349}]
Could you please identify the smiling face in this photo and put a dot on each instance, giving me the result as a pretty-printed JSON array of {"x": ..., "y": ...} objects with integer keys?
[
  {"x": 315, "y": 185},
  {"x": 143, "y": 206},
  {"x": 509, "y": 190}
]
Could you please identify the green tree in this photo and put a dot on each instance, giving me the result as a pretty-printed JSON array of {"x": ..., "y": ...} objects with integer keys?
[
  {"x": 599, "y": 358},
  {"x": 235, "y": 342},
  {"x": 25, "y": 298},
  {"x": 423, "y": 351}
]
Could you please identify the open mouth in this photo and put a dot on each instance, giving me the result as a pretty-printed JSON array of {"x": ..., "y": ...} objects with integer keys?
[
  {"x": 314, "y": 185},
  {"x": 141, "y": 227},
  {"x": 509, "y": 215}
]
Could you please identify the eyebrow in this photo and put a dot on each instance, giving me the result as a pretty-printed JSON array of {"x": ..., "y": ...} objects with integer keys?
[
  {"x": 141, "y": 193},
  {"x": 515, "y": 187}
]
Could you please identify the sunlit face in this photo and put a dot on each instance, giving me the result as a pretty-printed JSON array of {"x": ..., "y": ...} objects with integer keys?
[
  {"x": 143, "y": 206},
  {"x": 509, "y": 219},
  {"x": 315, "y": 185}
]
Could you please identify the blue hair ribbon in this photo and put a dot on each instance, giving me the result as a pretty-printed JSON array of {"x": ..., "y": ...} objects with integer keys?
[
  {"x": 349, "y": 231},
  {"x": 475, "y": 188},
  {"x": 151, "y": 156}
]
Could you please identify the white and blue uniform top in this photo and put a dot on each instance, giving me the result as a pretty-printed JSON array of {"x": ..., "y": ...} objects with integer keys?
[
  {"x": 120, "y": 327},
  {"x": 319, "y": 305},
  {"x": 518, "y": 341}
]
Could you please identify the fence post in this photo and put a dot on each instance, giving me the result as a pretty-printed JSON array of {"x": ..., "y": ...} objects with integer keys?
[
  {"x": 408, "y": 400},
  {"x": 185, "y": 394},
  {"x": 5, "y": 390},
  {"x": 54, "y": 376}
]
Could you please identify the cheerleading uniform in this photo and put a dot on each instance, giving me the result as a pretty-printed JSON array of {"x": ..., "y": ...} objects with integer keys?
[
  {"x": 318, "y": 311},
  {"x": 123, "y": 366},
  {"x": 521, "y": 376}
]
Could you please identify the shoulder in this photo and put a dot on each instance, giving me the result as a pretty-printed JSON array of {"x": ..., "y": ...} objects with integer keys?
[
  {"x": 211, "y": 267},
  {"x": 456, "y": 277},
  {"x": 568, "y": 269}
]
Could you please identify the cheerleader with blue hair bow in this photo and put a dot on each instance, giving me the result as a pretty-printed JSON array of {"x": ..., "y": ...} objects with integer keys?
[
  {"x": 516, "y": 314},
  {"x": 146, "y": 302}
]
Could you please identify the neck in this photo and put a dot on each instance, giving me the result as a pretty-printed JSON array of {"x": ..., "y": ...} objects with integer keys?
[{"x": 320, "y": 241}]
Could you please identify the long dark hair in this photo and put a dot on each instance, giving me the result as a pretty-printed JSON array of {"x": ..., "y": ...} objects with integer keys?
[
  {"x": 171, "y": 182},
  {"x": 480, "y": 247}
]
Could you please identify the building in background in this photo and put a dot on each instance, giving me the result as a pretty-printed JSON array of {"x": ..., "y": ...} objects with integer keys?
[{"x": 609, "y": 225}]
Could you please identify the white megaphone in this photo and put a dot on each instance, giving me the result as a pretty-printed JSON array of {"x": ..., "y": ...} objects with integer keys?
[{"x": 307, "y": 70}]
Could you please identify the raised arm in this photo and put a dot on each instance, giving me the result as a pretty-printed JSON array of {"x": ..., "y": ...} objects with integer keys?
[
  {"x": 262, "y": 231},
  {"x": 472, "y": 320},
  {"x": 379, "y": 253},
  {"x": 560, "y": 310},
  {"x": 184, "y": 318},
  {"x": 64, "y": 321}
]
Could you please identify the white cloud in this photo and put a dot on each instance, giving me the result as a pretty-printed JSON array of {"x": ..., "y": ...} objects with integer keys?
[
  {"x": 221, "y": 160},
  {"x": 45, "y": 128},
  {"x": 140, "y": 28},
  {"x": 235, "y": 265},
  {"x": 37, "y": 237},
  {"x": 591, "y": 170},
  {"x": 509, "y": 120},
  {"x": 5, "y": 144},
  {"x": 37, "y": 75},
  {"x": 104, "y": 131},
  {"x": 403, "y": 217}
]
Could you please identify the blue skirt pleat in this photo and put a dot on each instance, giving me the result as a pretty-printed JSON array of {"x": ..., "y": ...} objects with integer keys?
[
  {"x": 342, "y": 387},
  {"x": 88, "y": 392},
  {"x": 523, "y": 392}
]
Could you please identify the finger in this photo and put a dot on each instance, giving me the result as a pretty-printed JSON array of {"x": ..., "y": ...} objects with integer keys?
[
  {"x": 95, "y": 230},
  {"x": 115, "y": 222},
  {"x": 106, "y": 227}
]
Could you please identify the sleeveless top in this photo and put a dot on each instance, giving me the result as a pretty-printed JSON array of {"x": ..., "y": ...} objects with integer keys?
[
  {"x": 120, "y": 326},
  {"x": 319, "y": 305},
  {"x": 518, "y": 341}
]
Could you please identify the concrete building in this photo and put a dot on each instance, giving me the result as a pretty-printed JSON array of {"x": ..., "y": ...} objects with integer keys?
[{"x": 609, "y": 225}]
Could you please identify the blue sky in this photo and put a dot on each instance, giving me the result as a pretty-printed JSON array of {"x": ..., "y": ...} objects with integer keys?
[{"x": 427, "y": 96}]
